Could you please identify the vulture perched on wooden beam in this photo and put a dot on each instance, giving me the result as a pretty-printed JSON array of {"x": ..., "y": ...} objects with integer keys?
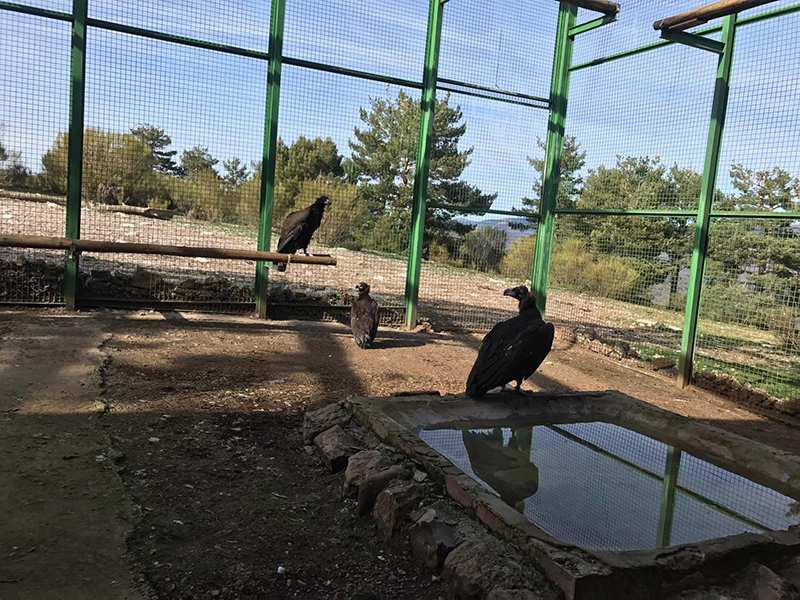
[
  {"x": 299, "y": 226},
  {"x": 513, "y": 349},
  {"x": 364, "y": 317}
]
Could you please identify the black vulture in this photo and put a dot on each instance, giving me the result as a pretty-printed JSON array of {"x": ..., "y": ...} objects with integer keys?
[
  {"x": 364, "y": 317},
  {"x": 299, "y": 226},
  {"x": 513, "y": 349}
]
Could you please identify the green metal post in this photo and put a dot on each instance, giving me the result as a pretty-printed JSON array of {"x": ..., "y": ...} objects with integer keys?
[
  {"x": 424, "y": 146},
  {"x": 667, "y": 514},
  {"x": 559, "y": 89},
  {"x": 267, "y": 195},
  {"x": 77, "y": 87},
  {"x": 707, "y": 191}
]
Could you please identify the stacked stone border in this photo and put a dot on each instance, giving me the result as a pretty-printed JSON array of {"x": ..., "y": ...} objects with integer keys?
[{"x": 576, "y": 573}]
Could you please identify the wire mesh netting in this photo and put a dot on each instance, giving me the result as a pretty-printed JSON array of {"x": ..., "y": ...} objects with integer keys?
[
  {"x": 174, "y": 138},
  {"x": 749, "y": 325},
  {"x": 475, "y": 246},
  {"x": 174, "y": 128},
  {"x": 614, "y": 479},
  {"x": 633, "y": 28},
  {"x": 34, "y": 107},
  {"x": 238, "y": 23},
  {"x": 622, "y": 279},
  {"x": 377, "y": 37},
  {"x": 355, "y": 142}
]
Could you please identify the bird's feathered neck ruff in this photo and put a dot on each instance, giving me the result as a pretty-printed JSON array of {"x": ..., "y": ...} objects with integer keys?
[{"x": 527, "y": 307}]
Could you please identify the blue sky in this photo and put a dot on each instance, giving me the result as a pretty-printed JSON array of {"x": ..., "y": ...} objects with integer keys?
[{"x": 655, "y": 104}]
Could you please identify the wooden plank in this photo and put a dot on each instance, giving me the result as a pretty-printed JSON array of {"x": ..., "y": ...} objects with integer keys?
[
  {"x": 603, "y": 6},
  {"x": 707, "y": 13},
  {"x": 57, "y": 243}
]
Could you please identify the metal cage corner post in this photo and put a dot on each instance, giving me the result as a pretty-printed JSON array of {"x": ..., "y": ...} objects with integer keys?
[
  {"x": 559, "y": 89},
  {"x": 267, "y": 190},
  {"x": 424, "y": 146},
  {"x": 707, "y": 192},
  {"x": 75, "y": 150}
]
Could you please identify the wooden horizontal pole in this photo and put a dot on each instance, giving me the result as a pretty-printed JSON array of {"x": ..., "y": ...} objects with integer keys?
[
  {"x": 707, "y": 13},
  {"x": 603, "y": 6},
  {"x": 57, "y": 243}
]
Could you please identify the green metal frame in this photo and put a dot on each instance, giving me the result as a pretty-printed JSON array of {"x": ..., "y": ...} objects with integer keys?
[
  {"x": 707, "y": 191},
  {"x": 424, "y": 145},
  {"x": 267, "y": 192},
  {"x": 77, "y": 93},
  {"x": 593, "y": 24},
  {"x": 667, "y": 513},
  {"x": 765, "y": 16},
  {"x": 559, "y": 89},
  {"x": 694, "y": 40}
]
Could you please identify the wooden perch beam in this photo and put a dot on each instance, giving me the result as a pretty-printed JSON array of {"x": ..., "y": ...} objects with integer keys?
[
  {"x": 603, "y": 6},
  {"x": 704, "y": 14},
  {"x": 57, "y": 243}
]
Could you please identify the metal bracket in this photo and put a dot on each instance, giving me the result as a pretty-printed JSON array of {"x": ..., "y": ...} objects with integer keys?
[
  {"x": 693, "y": 40},
  {"x": 593, "y": 24}
]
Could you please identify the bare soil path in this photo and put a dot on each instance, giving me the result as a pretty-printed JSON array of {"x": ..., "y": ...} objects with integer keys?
[{"x": 203, "y": 414}]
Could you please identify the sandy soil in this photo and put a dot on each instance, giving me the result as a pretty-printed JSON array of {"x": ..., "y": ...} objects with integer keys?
[{"x": 204, "y": 488}]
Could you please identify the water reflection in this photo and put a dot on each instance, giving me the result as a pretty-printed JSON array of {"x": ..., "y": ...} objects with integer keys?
[{"x": 608, "y": 488}]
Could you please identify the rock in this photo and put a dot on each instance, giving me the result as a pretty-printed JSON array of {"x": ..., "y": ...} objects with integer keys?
[
  {"x": 144, "y": 279},
  {"x": 189, "y": 284},
  {"x": 758, "y": 581},
  {"x": 501, "y": 593},
  {"x": 463, "y": 573},
  {"x": 335, "y": 447},
  {"x": 662, "y": 363},
  {"x": 420, "y": 476},
  {"x": 115, "y": 455},
  {"x": 101, "y": 275},
  {"x": 432, "y": 538},
  {"x": 394, "y": 505},
  {"x": 360, "y": 466},
  {"x": 374, "y": 484},
  {"x": 317, "y": 421}
]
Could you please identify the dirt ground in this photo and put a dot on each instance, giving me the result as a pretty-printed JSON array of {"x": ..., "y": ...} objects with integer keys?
[{"x": 152, "y": 454}]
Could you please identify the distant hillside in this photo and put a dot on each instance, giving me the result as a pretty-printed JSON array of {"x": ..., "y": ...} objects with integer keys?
[{"x": 503, "y": 224}]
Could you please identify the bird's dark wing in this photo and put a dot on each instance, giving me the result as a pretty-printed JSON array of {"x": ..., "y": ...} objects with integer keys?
[
  {"x": 364, "y": 321},
  {"x": 538, "y": 348},
  {"x": 291, "y": 229},
  {"x": 508, "y": 352}
]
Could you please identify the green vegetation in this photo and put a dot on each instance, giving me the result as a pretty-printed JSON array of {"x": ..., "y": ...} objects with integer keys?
[{"x": 752, "y": 275}]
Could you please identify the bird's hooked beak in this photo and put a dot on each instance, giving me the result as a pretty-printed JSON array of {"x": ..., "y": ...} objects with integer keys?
[
  {"x": 327, "y": 201},
  {"x": 517, "y": 292}
]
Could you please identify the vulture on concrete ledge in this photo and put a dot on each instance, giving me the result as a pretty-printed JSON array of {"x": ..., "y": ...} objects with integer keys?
[
  {"x": 364, "y": 317},
  {"x": 299, "y": 226},
  {"x": 513, "y": 349}
]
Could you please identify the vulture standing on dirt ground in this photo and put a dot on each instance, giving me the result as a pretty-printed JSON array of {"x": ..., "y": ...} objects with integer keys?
[
  {"x": 513, "y": 349},
  {"x": 364, "y": 317},
  {"x": 299, "y": 226}
]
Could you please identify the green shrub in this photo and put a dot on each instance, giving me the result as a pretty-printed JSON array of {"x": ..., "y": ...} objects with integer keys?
[
  {"x": 483, "y": 248},
  {"x": 573, "y": 266},
  {"x": 611, "y": 277},
  {"x": 735, "y": 303},
  {"x": 518, "y": 261},
  {"x": 569, "y": 263}
]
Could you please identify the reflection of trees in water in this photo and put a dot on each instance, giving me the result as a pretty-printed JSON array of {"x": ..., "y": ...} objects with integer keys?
[{"x": 506, "y": 468}]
